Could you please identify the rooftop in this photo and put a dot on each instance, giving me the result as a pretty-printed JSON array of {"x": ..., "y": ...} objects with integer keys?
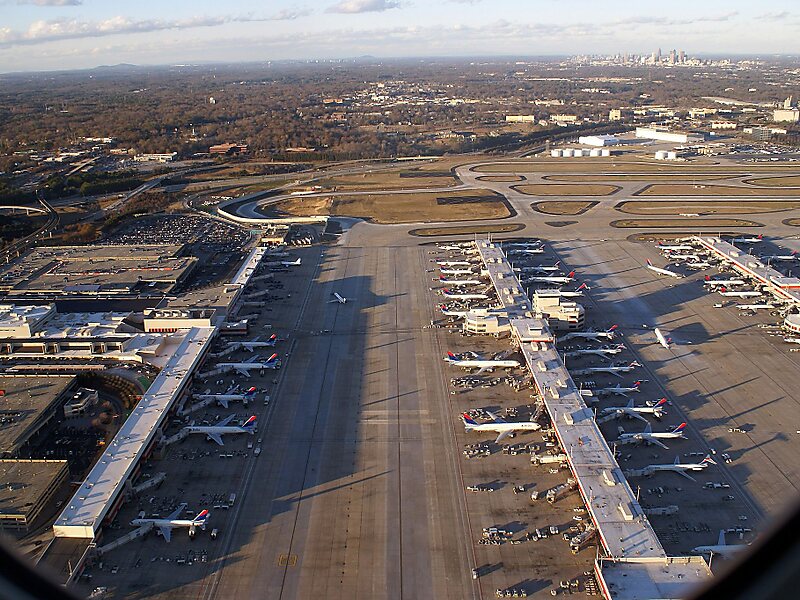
[
  {"x": 644, "y": 579},
  {"x": 24, "y": 482}
]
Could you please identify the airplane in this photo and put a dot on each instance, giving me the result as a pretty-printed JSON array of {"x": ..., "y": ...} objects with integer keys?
[
  {"x": 792, "y": 340},
  {"x": 538, "y": 250},
  {"x": 700, "y": 264},
  {"x": 723, "y": 291},
  {"x": 457, "y": 271},
  {"x": 535, "y": 244},
  {"x": 755, "y": 306},
  {"x": 452, "y": 313},
  {"x": 636, "y": 412},
  {"x": 540, "y": 268},
  {"x": 552, "y": 278},
  {"x": 215, "y": 432},
  {"x": 252, "y": 345},
  {"x": 722, "y": 282},
  {"x": 442, "y": 279},
  {"x": 648, "y": 437},
  {"x": 482, "y": 364},
  {"x": 224, "y": 399},
  {"x": 720, "y": 548},
  {"x": 748, "y": 240},
  {"x": 684, "y": 257},
  {"x": 273, "y": 362},
  {"x": 619, "y": 390},
  {"x": 338, "y": 298},
  {"x": 448, "y": 247},
  {"x": 454, "y": 263},
  {"x": 464, "y": 295},
  {"x": 679, "y": 468},
  {"x": 290, "y": 263},
  {"x": 608, "y": 334},
  {"x": 664, "y": 341},
  {"x": 610, "y": 370},
  {"x": 165, "y": 526},
  {"x": 602, "y": 352},
  {"x": 498, "y": 425},
  {"x": 792, "y": 256},
  {"x": 661, "y": 271},
  {"x": 675, "y": 248}
]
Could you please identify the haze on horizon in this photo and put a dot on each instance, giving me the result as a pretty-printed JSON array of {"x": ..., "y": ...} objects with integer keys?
[{"x": 73, "y": 34}]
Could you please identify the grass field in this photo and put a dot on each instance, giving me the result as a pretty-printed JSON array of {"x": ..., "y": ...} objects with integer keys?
[
  {"x": 466, "y": 230},
  {"x": 589, "y": 165},
  {"x": 662, "y": 189},
  {"x": 502, "y": 178},
  {"x": 640, "y": 177},
  {"x": 563, "y": 207},
  {"x": 683, "y": 223},
  {"x": 422, "y": 207},
  {"x": 565, "y": 189},
  {"x": 789, "y": 180},
  {"x": 705, "y": 207},
  {"x": 398, "y": 180}
]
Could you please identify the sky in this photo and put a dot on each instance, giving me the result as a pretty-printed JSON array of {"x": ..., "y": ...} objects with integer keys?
[{"x": 74, "y": 34}]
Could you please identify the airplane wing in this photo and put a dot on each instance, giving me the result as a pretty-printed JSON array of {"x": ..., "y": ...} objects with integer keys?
[
  {"x": 685, "y": 474},
  {"x": 636, "y": 415},
  {"x": 216, "y": 438},
  {"x": 167, "y": 533},
  {"x": 495, "y": 418},
  {"x": 177, "y": 512},
  {"x": 616, "y": 374},
  {"x": 242, "y": 371},
  {"x": 225, "y": 421},
  {"x": 658, "y": 442},
  {"x": 248, "y": 348},
  {"x": 721, "y": 539},
  {"x": 223, "y": 401},
  {"x": 503, "y": 435},
  {"x": 481, "y": 370}
]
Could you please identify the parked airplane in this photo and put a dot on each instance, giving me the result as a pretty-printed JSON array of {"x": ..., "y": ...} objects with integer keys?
[
  {"x": 457, "y": 271},
  {"x": 679, "y": 468},
  {"x": 224, "y": 399},
  {"x": 605, "y": 352},
  {"x": 610, "y": 370},
  {"x": 452, "y": 313},
  {"x": 661, "y": 271},
  {"x": 165, "y": 526},
  {"x": 618, "y": 390},
  {"x": 481, "y": 364},
  {"x": 684, "y": 257},
  {"x": 701, "y": 264},
  {"x": 537, "y": 250},
  {"x": 792, "y": 340},
  {"x": 577, "y": 292},
  {"x": 448, "y": 247},
  {"x": 253, "y": 344},
  {"x": 755, "y": 306},
  {"x": 748, "y": 240},
  {"x": 215, "y": 432},
  {"x": 636, "y": 412},
  {"x": 244, "y": 368},
  {"x": 792, "y": 256},
  {"x": 338, "y": 298},
  {"x": 648, "y": 437},
  {"x": 608, "y": 334},
  {"x": 464, "y": 295},
  {"x": 290, "y": 263},
  {"x": 675, "y": 248},
  {"x": 454, "y": 263},
  {"x": 551, "y": 278},
  {"x": 443, "y": 279},
  {"x": 664, "y": 341},
  {"x": 722, "y": 282},
  {"x": 539, "y": 268},
  {"x": 721, "y": 548},
  {"x": 723, "y": 291},
  {"x": 498, "y": 425},
  {"x": 535, "y": 244}
]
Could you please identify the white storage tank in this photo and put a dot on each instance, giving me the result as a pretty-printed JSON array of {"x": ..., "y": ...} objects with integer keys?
[
  {"x": 595, "y": 152},
  {"x": 672, "y": 156},
  {"x": 555, "y": 153},
  {"x": 605, "y": 152},
  {"x": 568, "y": 152},
  {"x": 661, "y": 155}
]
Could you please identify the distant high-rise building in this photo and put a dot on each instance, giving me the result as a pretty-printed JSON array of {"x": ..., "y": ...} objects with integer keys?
[
  {"x": 673, "y": 57},
  {"x": 658, "y": 55},
  {"x": 681, "y": 57}
]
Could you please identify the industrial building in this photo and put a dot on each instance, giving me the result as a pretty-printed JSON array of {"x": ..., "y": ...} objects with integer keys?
[
  {"x": 598, "y": 140},
  {"x": 29, "y": 403},
  {"x": 161, "y": 158},
  {"x": 520, "y": 118},
  {"x": 666, "y": 135},
  {"x": 26, "y": 488},
  {"x": 786, "y": 115}
]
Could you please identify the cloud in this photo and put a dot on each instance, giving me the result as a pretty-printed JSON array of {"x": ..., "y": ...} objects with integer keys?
[
  {"x": 290, "y": 15},
  {"x": 775, "y": 16},
  {"x": 665, "y": 21},
  {"x": 51, "y": 2},
  {"x": 362, "y": 6},
  {"x": 40, "y": 32}
]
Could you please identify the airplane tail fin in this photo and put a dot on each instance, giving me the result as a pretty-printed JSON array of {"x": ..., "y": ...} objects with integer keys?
[
  {"x": 251, "y": 391},
  {"x": 661, "y": 403},
  {"x": 201, "y": 517},
  {"x": 634, "y": 364},
  {"x": 571, "y": 274},
  {"x": 708, "y": 460},
  {"x": 649, "y": 262},
  {"x": 637, "y": 383},
  {"x": 250, "y": 424},
  {"x": 274, "y": 336},
  {"x": 451, "y": 356},
  {"x": 468, "y": 421},
  {"x": 612, "y": 329},
  {"x": 272, "y": 358},
  {"x": 679, "y": 428},
  {"x": 707, "y": 278},
  {"x": 582, "y": 286}
]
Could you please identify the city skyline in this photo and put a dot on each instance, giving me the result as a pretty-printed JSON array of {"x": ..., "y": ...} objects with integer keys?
[{"x": 74, "y": 34}]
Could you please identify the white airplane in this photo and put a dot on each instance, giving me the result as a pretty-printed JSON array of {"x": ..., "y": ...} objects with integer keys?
[
  {"x": 338, "y": 298},
  {"x": 664, "y": 341},
  {"x": 700, "y": 264},
  {"x": 684, "y": 257},
  {"x": 481, "y": 364},
  {"x": 602, "y": 352},
  {"x": 618, "y": 390},
  {"x": 792, "y": 256},
  {"x": 535, "y": 244},
  {"x": 552, "y": 278},
  {"x": 755, "y": 306},
  {"x": 457, "y": 271},
  {"x": 540, "y": 268},
  {"x": 722, "y": 282},
  {"x": 608, "y": 334},
  {"x": 452, "y": 313},
  {"x": 215, "y": 432},
  {"x": 244, "y": 368},
  {"x": 250, "y": 346},
  {"x": 454, "y": 263},
  {"x": 661, "y": 271},
  {"x": 464, "y": 295},
  {"x": 748, "y": 240},
  {"x": 290, "y": 263},
  {"x": 723, "y": 291},
  {"x": 538, "y": 250},
  {"x": 443, "y": 279},
  {"x": 498, "y": 425},
  {"x": 636, "y": 412},
  {"x": 165, "y": 526},
  {"x": 679, "y": 468},
  {"x": 792, "y": 340},
  {"x": 224, "y": 399},
  {"x": 609, "y": 370},
  {"x": 675, "y": 248},
  {"x": 565, "y": 293},
  {"x": 721, "y": 548},
  {"x": 448, "y": 247},
  {"x": 648, "y": 437}
]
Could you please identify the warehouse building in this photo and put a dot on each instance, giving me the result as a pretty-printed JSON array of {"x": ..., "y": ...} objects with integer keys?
[{"x": 26, "y": 488}]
